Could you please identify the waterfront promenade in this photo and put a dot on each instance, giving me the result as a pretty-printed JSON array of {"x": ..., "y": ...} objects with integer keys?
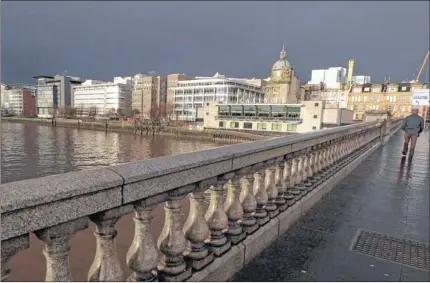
[{"x": 387, "y": 194}]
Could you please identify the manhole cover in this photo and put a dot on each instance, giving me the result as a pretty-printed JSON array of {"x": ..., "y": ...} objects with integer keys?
[{"x": 401, "y": 251}]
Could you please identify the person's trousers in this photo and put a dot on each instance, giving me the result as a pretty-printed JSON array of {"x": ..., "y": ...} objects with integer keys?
[{"x": 413, "y": 139}]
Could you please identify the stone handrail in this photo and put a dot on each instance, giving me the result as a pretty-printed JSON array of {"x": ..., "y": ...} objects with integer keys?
[{"x": 263, "y": 178}]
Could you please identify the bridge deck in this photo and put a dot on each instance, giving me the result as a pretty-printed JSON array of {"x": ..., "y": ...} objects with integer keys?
[{"x": 386, "y": 194}]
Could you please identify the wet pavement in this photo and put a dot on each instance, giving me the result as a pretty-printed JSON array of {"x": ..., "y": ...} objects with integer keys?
[{"x": 387, "y": 194}]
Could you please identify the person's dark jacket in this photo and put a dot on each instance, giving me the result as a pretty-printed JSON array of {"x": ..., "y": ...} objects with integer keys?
[{"x": 413, "y": 124}]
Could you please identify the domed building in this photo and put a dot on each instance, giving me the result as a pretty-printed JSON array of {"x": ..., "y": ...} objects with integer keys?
[{"x": 282, "y": 86}]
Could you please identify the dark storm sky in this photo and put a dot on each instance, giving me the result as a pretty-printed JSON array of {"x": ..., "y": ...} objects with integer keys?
[{"x": 100, "y": 40}]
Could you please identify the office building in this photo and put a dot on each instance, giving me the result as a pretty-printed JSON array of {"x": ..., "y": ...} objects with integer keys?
[
  {"x": 149, "y": 96},
  {"x": 53, "y": 93},
  {"x": 397, "y": 98},
  {"x": 98, "y": 98},
  {"x": 190, "y": 95},
  {"x": 283, "y": 118},
  {"x": 19, "y": 100},
  {"x": 331, "y": 78}
]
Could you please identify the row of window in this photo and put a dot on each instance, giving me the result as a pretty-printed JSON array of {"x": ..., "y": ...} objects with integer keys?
[
  {"x": 380, "y": 89},
  {"x": 260, "y": 126},
  {"x": 396, "y": 108},
  {"x": 390, "y": 98},
  {"x": 275, "y": 111}
]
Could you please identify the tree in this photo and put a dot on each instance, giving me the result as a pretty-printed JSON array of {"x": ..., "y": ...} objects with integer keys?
[
  {"x": 170, "y": 111},
  {"x": 127, "y": 112},
  {"x": 136, "y": 112},
  {"x": 155, "y": 111},
  {"x": 120, "y": 112}
]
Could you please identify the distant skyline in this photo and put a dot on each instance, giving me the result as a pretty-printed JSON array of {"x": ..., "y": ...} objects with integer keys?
[{"x": 100, "y": 40}]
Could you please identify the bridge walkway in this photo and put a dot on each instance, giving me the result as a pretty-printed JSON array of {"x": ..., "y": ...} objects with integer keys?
[{"x": 387, "y": 194}]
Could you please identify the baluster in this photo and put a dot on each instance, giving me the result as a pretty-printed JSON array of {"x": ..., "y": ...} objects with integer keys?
[
  {"x": 247, "y": 199},
  {"x": 301, "y": 168},
  {"x": 172, "y": 242},
  {"x": 56, "y": 251},
  {"x": 338, "y": 149},
  {"x": 261, "y": 196},
  {"x": 271, "y": 189},
  {"x": 312, "y": 182},
  {"x": 9, "y": 248},
  {"x": 197, "y": 230},
  {"x": 280, "y": 184},
  {"x": 106, "y": 265},
  {"x": 324, "y": 162},
  {"x": 143, "y": 255},
  {"x": 217, "y": 221},
  {"x": 234, "y": 209},
  {"x": 289, "y": 182},
  {"x": 330, "y": 158},
  {"x": 296, "y": 178},
  {"x": 315, "y": 168}
]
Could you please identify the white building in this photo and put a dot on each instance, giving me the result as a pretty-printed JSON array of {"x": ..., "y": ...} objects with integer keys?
[
  {"x": 361, "y": 80},
  {"x": 124, "y": 80},
  {"x": 100, "y": 98},
  {"x": 332, "y": 78},
  {"x": 190, "y": 95}
]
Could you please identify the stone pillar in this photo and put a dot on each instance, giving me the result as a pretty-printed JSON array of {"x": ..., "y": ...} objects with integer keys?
[
  {"x": 106, "y": 265},
  {"x": 296, "y": 178},
  {"x": 9, "y": 248},
  {"x": 281, "y": 184},
  {"x": 301, "y": 168},
  {"x": 142, "y": 257},
  {"x": 271, "y": 189},
  {"x": 234, "y": 209},
  {"x": 56, "y": 239},
  {"x": 217, "y": 221},
  {"x": 289, "y": 182},
  {"x": 261, "y": 196},
  {"x": 172, "y": 242},
  {"x": 197, "y": 230},
  {"x": 247, "y": 199},
  {"x": 315, "y": 167}
]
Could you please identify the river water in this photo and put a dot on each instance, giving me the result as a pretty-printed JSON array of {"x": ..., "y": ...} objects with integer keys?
[{"x": 29, "y": 150}]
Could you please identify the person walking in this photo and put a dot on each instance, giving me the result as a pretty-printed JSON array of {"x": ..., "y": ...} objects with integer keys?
[{"x": 413, "y": 126}]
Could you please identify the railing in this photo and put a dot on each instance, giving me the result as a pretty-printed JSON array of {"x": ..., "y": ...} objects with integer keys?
[{"x": 263, "y": 179}]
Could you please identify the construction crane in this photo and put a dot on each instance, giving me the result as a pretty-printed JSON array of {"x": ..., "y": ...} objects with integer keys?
[{"x": 422, "y": 66}]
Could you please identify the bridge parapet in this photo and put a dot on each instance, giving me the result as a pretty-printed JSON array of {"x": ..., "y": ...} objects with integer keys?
[{"x": 268, "y": 185}]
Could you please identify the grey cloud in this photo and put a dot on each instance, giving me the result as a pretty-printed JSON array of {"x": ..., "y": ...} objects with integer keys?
[{"x": 105, "y": 39}]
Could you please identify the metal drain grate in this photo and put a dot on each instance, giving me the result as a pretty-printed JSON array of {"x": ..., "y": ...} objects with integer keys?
[{"x": 401, "y": 251}]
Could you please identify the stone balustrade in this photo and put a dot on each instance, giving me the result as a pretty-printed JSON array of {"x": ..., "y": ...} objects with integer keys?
[{"x": 268, "y": 184}]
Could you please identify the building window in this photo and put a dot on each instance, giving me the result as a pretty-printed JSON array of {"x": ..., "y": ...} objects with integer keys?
[
  {"x": 277, "y": 127},
  {"x": 234, "y": 125},
  {"x": 314, "y": 128},
  {"x": 291, "y": 127},
  {"x": 261, "y": 126},
  {"x": 222, "y": 124},
  {"x": 315, "y": 116},
  {"x": 316, "y": 104},
  {"x": 247, "y": 125}
]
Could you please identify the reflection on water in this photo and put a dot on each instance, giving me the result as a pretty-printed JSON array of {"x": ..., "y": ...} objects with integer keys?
[{"x": 30, "y": 150}]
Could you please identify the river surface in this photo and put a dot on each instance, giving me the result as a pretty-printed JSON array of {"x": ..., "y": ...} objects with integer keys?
[{"x": 29, "y": 150}]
